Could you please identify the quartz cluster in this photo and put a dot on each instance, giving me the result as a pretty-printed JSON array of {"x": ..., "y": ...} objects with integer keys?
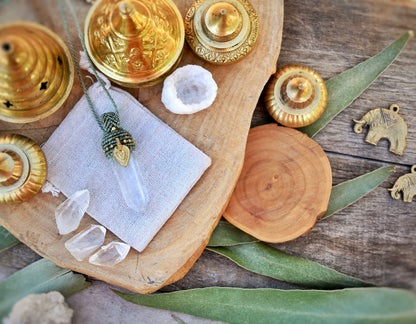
[
  {"x": 49, "y": 308},
  {"x": 188, "y": 90}
]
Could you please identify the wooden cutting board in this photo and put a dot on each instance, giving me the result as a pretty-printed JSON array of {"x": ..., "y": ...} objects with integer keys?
[{"x": 220, "y": 131}]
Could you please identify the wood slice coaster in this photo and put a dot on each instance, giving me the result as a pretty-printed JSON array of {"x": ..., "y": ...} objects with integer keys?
[{"x": 284, "y": 187}]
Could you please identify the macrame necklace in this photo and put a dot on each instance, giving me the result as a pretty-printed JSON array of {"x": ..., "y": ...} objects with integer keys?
[{"x": 116, "y": 141}]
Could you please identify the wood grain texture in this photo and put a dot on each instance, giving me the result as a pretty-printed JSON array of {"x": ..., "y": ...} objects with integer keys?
[
  {"x": 220, "y": 132},
  {"x": 284, "y": 186}
]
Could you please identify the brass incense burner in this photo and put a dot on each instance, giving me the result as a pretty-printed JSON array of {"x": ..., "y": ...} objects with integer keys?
[
  {"x": 22, "y": 168},
  {"x": 221, "y": 32},
  {"x": 135, "y": 43},
  {"x": 36, "y": 72}
]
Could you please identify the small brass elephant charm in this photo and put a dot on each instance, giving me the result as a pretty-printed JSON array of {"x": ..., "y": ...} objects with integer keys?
[
  {"x": 407, "y": 184},
  {"x": 384, "y": 123}
]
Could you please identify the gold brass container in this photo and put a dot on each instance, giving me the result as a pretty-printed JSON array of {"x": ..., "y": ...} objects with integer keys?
[
  {"x": 296, "y": 96},
  {"x": 221, "y": 31},
  {"x": 36, "y": 72},
  {"x": 135, "y": 43},
  {"x": 22, "y": 169}
]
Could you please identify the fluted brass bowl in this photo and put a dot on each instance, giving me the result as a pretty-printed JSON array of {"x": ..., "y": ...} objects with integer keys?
[
  {"x": 36, "y": 72},
  {"x": 296, "y": 96},
  {"x": 22, "y": 168},
  {"x": 135, "y": 43}
]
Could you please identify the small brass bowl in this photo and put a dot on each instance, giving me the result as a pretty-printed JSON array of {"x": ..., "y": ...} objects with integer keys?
[
  {"x": 296, "y": 96},
  {"x": 22, "y": 168},
  {"x": 135, "y": 43},
  {"x": 36, "y": 72}
]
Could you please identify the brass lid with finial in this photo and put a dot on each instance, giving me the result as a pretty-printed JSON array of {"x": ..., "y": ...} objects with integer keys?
[
  {"x": 296, "y": 96},
  {"x": 135, "y": 43},
  {"x": 221, "y": 31},
  {"x": 36, "y": 72},
  {"x": 22, "y": 168}
]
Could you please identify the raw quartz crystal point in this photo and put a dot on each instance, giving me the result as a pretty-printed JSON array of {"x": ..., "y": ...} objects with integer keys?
[
  {"x": 131, "y": 184},
  {"x": 86, "y": 242},
  {"x": 111, "y": 254},
  {"x": 68, "y": 215}
]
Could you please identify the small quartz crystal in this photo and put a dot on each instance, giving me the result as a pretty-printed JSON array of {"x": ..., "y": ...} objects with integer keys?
[
  {"x": 111, "y": 254},
  {"x": 68, "y": 215},
  {"x": 86, "y": 242},
  {"x": 189, "y": 89}
]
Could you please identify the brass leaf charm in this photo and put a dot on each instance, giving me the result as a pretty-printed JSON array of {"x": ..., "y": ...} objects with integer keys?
[{"x": 121, "y": 153}]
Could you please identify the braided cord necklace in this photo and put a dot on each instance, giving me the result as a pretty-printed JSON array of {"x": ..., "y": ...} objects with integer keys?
[{"x": 116, "y": 141}]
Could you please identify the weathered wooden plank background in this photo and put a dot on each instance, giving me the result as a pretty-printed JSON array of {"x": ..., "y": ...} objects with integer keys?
[{"x": 374, "y": 239}]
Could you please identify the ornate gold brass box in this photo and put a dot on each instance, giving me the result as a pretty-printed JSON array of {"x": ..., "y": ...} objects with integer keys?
[
  {"x": 36, "y": 72},
  {"x": 221, "y": 31},
  {"x": 135, "y": 43}
]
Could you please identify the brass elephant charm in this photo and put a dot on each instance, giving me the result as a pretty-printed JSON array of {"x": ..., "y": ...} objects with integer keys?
[
  {"x": 384, "y": 123},
  {"x": 407, "y": 184}
]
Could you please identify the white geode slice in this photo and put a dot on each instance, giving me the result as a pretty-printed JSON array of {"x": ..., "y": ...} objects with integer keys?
[
  {"x": 47, "y": 308},
  {"x": 86, "y": 242},
  {"x": 189, "y": 89},
  {"x": 111, "y": 254},
  {"x": 68, "y": 215}
]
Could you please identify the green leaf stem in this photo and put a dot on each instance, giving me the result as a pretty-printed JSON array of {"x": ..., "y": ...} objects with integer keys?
[
  {"x": 344, "y": 88},
  {"x": 348, "y": 192},
  {"x": 235, "y": 305},
  {"x": 7, "y": 240},
  {"x": 263, "y": 259},
  {"x": 39, "y": 277}
]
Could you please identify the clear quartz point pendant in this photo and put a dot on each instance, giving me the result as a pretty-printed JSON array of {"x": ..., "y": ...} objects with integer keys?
[
  {"x": 117, "y": 145},
  {"x": 130, "y": 180}
]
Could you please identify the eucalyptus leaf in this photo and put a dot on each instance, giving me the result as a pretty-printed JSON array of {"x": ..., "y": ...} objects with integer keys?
[
  {"x": 226, "y": 234},
  {"x": 263, "y": 259},
  {"x": 39, "y": 277},
  {"x": 7, "y": 240},
  {"x": 344, "y": 88},
  {"x": 348, "y": 192},
  {"x": 235, "y": 305}
]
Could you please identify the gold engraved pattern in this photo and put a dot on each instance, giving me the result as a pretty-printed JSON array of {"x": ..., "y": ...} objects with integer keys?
[
  {"x": 132, "y": 41},
  {"x": 221, "y": 57}
]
